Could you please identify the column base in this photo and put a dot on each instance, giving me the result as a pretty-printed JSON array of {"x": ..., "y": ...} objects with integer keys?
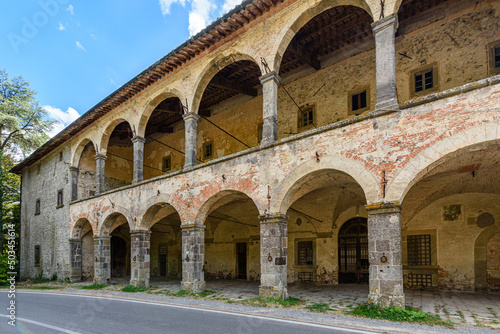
[
  {"x": 75, "y": 275},
  {"x": 101, "y": 280},
  {"x": 385, "y": 106},
  {"x": 140, "y": 282},
  {"x": 280, "y": 292},
  {"x": 387, "y": 300},
  {"x": 193, "y": 287}
]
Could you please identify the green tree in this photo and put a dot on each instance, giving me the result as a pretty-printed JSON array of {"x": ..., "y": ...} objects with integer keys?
[{"x": 23, "y": 128}]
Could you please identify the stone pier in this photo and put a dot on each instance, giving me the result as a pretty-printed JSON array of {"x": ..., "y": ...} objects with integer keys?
[
  {"x": 193, "y": 258},
  {"x": 102, "y": 260},
  {"x": 140, "y": 258}
]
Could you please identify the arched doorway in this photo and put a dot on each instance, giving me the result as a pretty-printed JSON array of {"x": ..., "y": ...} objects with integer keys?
[
  {"x": 118, "y": 257},
  {"x": 353, "y": 251}
]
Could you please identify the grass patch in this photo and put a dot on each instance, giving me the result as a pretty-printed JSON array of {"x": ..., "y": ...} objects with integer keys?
[
  {"x": 274, "y": 302},
  {"x": 205, "y": 293},
  {"x": 319, "y": 308},
  {"x": 40, "y": 287},
  {"x": 133, "y": 288},
  {"x": 93, "y": 286},
  {"x": 396, "y": 314}
]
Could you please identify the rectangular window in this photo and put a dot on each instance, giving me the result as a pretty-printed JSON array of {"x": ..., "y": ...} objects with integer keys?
[
  {"x": 167, "y": 164},
  {"x": 424, "y": 80},
  {"x": 419, "y": 250},
  {"x": 60, "y": 198},
  {"x": 305, "y": 253},
  {"x": 358, "y": 101},
  {"x": 497, "y": 57},
  {"x": 208, "y": 150},
  {"x": 37, "y": 207},
  {"x": 306, "y": 116},
  {"x": 37, "y": 256}
]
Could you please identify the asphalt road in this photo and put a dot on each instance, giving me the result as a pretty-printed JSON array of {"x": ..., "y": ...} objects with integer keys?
[{"x": 38, "y": 312}]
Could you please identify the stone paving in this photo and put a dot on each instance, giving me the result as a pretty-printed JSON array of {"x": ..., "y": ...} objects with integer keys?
[{"x": 477, "y": 309}]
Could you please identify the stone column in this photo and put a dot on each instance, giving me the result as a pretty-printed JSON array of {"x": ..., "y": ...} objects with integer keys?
[
  {"x": 191, "y": 126},
  {"x": 75, "y": 260},
  {"x": 74, "y": 183},
  {"x": 102, "y": 260},
  {"x": 138, "y": 159},
  {"x": 273, "y": 255},
  {"x": 384, "y": 31},
  {"x": 140, "y": 258},
  {"x": 100, "y": 160},
  {"x": 385, "y": 254},
  {"x": 270, "y": 83},
  {"x": 193, "y": 258}
]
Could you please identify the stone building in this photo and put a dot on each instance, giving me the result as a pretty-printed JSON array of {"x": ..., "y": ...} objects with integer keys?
[{"x": 315, "y": 141}]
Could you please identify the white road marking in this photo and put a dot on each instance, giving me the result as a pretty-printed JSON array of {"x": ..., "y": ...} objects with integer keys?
[
  {"x": 41, "y": 324},
  {"x": 245, "y": 315}
]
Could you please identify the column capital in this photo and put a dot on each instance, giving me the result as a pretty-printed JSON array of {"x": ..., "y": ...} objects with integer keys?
[
  {"x": 140, "y": 232},
  {"x": 73, "y": 169},
  {"x": 192, "y": 228},
  {"x": 269, "y": 218},
  {"x": 138, "y": 139},
  {"x": 270, "y": 76},
  {"x": 98, "y": 237},
  {"x": 191, "y": 115},
  {"x": 100, "y": 157},
  {"x": 386, "y": 22},
  {"x": 383, "y": 208},
  {"x": 74, "y": 240}
]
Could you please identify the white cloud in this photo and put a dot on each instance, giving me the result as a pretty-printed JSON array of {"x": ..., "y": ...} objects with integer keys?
[
  {"x": 61, "y": 27},
  {"x": 165, "y": 5},
  {"x": 80, "y": 46},
  {"x": 71, "y": 9},
  {"x": 229, "y": 4},
  {"x": 62, "y": 118}
]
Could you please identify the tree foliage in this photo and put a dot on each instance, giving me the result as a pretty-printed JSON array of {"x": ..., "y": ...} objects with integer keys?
[{"x": 23, "y": 128}]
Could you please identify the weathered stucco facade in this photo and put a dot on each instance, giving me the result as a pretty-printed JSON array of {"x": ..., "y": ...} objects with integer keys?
[{"x": 314, "y": 141}]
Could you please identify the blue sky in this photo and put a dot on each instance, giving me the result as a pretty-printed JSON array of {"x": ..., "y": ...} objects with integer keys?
[{"x": 75, "y": 53}]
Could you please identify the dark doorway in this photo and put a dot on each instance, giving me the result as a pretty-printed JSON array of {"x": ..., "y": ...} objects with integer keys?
[
  {"x": 118, "y": 257},
  {"x": 162, "y": 258},
  {"x": 353, "y": 251},
  {"x": 241, "y": 260}
]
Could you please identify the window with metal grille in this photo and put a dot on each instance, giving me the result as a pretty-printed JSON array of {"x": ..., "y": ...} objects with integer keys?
[
  {"x": 419, "y": 250},
  {"x": 419, "y": 280},
  {"x": 37, "y": 207},
  {"x": 37, "y": 256},
  {"x": 305, "y": 277},
  {"x": 497, "y": 57},
  {"x": 306, "y": 116},
  {"x": 305, "y": 253},
  {"x": 167, "y": 164},
  {"x": 424, "y": 80},
  {"x": 208, "y": 150},
  {"x": 358, "y": 101}
]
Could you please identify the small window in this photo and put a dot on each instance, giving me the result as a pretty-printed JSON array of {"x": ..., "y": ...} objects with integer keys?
[
  {"x": 494, "y": 51},
  {"x": 167, "y": 164},
  {"x": 419, "y": 250},
  {"x": 208, "y": 150},
  {"x": 306, "y": 116},
  {"x": 37, "y": 207},
  {"x": 37, "y": 256},
  {"x": 424, "y": 80},
  {"x": 260, "y": 131},
  {"x": 358, "y": 100},
  {"x": 60, "y": 199},
  {"x": 305, "y": 253},
  {"x": 60, "y": 156}
]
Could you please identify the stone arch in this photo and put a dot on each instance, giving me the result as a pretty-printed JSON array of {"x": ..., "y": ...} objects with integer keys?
[
  {"x": 219, "y": 199},
  {"x": 291, "y": 28},
  {"x": 76, "y": 230},
  {"x": 301, "y": 174},
  {"x": 210, "y": 70},
  {"x": 152, "y": 104},
  {"x": 154, "y": 204},
  {"x": 416, "y": 168},
  {"x": 77, "y": 153},
  {"x": 107, "y": 134},
  {"x": 109, "y": 222},
  {"x": 480, "y": 273}
]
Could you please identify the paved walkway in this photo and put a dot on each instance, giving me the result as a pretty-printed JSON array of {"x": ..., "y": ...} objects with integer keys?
[{"x": 478, "y": 309}]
